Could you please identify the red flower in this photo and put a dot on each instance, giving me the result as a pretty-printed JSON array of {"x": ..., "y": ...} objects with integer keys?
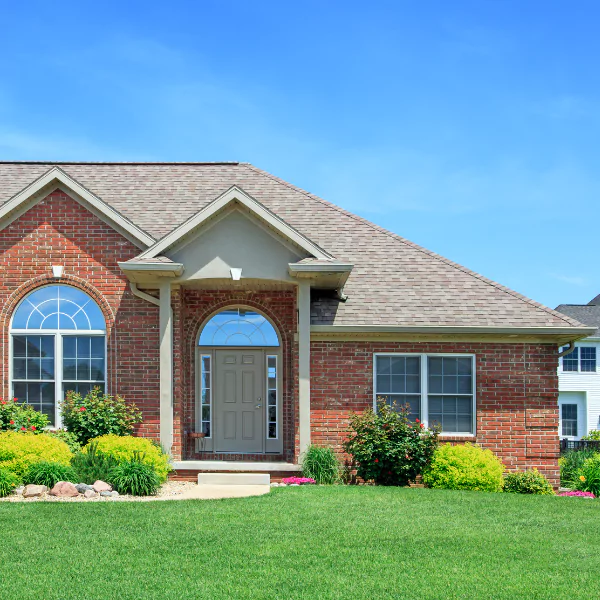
[
  {"x": 376, "y": 460},
  {"x": 33, "y": 428},
  {"x": 3, "y": 402},
  {"x": 23, "y": 429},
  {"x": 14, "y": 399},
  {"x": 82, "y": 409},
  {"x": 416, "y": 420},
  {"x": 422, "y": 425},
  {"x": 12, "y": 422}
]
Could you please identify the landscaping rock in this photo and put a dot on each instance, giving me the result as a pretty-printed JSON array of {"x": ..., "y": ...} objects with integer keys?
[
  {"x": 82, "y": 488},
  {"x": 32, "y": 491},
  {"x": 114, "y": 494},
  {"x": 19, "y": 491},
  {"x": 64, "y": 489},
  {"x": 101, "y": 486},
  {"x": 89, "y": 494}
]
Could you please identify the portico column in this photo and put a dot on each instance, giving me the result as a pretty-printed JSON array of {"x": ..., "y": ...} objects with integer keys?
[
  {"x": 304, "y": 364},
  {"x": 166, "y": 367}
]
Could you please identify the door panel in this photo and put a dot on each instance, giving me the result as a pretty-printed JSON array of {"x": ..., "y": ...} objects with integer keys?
[{"x": 239, "y": 401}]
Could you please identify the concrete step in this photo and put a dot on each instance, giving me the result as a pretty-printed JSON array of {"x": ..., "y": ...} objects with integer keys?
[{"x": 234, "y": 479}]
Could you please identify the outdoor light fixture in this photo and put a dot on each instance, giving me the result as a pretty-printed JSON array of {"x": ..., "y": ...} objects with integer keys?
[
  {"x": 57, "y": 270},
  {"x": 236, "y": 274}
]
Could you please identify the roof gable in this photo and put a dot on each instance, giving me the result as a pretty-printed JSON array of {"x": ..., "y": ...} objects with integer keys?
[
  {"x": 56, "y": 178},
  {"x": 236, "y": 195}
]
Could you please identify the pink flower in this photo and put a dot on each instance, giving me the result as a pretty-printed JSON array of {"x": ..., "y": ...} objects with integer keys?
[{"x": 298, "y": 480}]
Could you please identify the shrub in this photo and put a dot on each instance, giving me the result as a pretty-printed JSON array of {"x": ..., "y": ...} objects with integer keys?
[
  {"x": 8, "y": 482},
  {"x": 123, "y": 448},
  {"x": 18, "y": 451},
  {"x": 48, "y": 474},
  {"x": 70, "y": 439},
  {"x": 588, "y": 476},
  {"x": 91, "y": 465},
  {"x": 321, "y": 464},
  {"x": 593, "y": 435},
  {"x": 135, "y": 477},
  {"x": 527, "y": 482},
  {"x": 15, "y": 416},
  {"x": 388, "y": 448},
  {"x": 98, "y": 414},
  {"x": 570, "y": 464},
  {"x": 464, "y": 467}
]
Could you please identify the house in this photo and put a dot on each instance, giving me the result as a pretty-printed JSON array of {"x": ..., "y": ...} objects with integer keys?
[
  {"x": 579, "y": 376},
  {"x": 247, "y": 318}
]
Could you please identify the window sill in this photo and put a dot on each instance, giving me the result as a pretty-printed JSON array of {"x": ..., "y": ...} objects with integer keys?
[{"x": 457, "y": 437}]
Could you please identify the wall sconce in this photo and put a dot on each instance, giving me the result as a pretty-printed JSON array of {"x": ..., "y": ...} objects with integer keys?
[
  {"x": 236, "y": 274},
  {"x": 57, "y": 271}
]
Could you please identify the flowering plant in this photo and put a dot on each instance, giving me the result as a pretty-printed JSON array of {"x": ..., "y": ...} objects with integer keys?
[
  {"x": 389, "y": 448},
  {"x": 16, "y": 416},
  {"x": 298, "y": 480},
  {"x": 578, "y": 494}
]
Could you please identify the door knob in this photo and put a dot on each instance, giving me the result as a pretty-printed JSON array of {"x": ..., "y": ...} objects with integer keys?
[{"x": 258, "y": 405}]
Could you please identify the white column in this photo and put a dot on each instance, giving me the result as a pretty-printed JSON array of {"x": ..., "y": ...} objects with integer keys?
[
  {"x": 166, "y": 367},
  {"x": 304, "y": 364}
]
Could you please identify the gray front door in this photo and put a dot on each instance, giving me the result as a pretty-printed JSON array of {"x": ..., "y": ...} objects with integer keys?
[{"x": 239, "y": 406}]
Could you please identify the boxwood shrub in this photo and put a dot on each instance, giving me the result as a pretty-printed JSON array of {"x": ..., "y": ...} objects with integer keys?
[
  {"x": 8, "y": 482},
  {"x": 527, "y": 482},
  {"x": 18, "y": 451},
  {"x": 464, "y": 467}
]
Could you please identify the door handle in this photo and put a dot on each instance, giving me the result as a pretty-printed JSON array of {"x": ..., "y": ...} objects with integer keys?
[
  {"x": 259, "y": 403},
  {"x": 258, "y": 406}
]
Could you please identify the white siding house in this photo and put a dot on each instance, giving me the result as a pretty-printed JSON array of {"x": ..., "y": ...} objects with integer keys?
[{"x": 579, "y": 376}]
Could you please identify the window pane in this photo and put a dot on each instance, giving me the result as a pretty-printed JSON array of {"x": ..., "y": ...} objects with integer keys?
[
  {"x": 453, "y": 413},
  {"x": 19, "y": 346},
  {"x": 97, "y": 346},
  {"x": 96, "y": 370},
  {"x": 569, "y": 420},
  {"x": 384, "y": 384},
  {"x": 398, "y": 402},
  {"x": 384, "y": 365},
  {"x": 19, "y": 368},
  {"x": 571, "y": 361},
  {"x": 47, "y": 367},
  {"x": 206, "y": 428},
  {"x": 238, "y": 327},
  {"x": 69, "y": 346},
  {"x": 69, "y": 369},
  {"x": 83, "y": 370},
  {"x": 588, "y": 359},
  {"x": 449, "y": 375}
]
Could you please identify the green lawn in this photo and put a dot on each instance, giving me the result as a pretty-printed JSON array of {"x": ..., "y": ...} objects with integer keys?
[{"x": 319, "y": 542}]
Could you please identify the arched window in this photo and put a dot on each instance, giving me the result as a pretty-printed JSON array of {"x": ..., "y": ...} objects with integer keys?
[
  {"x": 238, "y": 327},
  {"x": 58, "y": 344}
]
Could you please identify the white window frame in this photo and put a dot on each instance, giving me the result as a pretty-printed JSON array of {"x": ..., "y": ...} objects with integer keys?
[
  {"x": 268, "y": 389},
  {"x": 58, "y": 335},
  {"x": 424, "y": 386},
  {"x": 579, "y": 370}
]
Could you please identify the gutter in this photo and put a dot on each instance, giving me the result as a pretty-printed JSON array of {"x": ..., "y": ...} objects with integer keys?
[{"x": 137, "y": 292}]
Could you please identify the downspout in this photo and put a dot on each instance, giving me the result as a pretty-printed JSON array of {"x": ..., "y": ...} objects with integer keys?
[
  {"x": 568, "y": 350},
  {"x": 137, "y": 292}
]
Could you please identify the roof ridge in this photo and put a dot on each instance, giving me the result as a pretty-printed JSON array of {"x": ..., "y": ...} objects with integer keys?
[
  {"x": 400, "y": 239},
  {"x": 117, "y": 162}
]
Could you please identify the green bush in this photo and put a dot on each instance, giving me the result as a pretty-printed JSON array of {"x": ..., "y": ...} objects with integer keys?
[
  {"x": 48, "y": 474},
  {"x": 593, "y": 435},
  {"x": 8, "y": 482},
  {"x": 123, "y": 448},
  {"x": 18, "y": 451},
  {"x": 91, "y": 465},
  {"x": 528, "y": 482},
  {"x": 15, "y": 416},
  {"x": 570, "y": 464},
  {"x": 321, "y": 464},
  {"x": 70, "y": 439},
  {"x": 135, "y": 477},
  {"x": 588, "y": 476},
  {"x": 98, "y": 414},
  {"x": 464, "y": 467},
  {"x": 387, "y": 447}
]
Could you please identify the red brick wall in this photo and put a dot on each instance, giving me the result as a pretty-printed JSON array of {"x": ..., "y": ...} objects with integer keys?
[
  {"x": 517, "y": 393},
  {"x": 59, "y": 231},
  {"x": 196, "y": 307}
]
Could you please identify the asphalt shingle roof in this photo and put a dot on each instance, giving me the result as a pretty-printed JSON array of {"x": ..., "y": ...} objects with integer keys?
[
  {"x": 394, "y": 282},
  {"x": 588, "y": 314}
]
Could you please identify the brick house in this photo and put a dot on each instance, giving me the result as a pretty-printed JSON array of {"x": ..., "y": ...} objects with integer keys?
[{"x": 247, "y": 317}]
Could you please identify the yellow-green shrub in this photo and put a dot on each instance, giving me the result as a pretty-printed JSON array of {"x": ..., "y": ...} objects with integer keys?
[
  {"x": 18, "y": 451},
  {"x": 123, "y": 449},
  {"x": 464, "y": 467}
]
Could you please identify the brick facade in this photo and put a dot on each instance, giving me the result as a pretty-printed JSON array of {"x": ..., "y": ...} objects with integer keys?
[
  {"x": 517, "y": 388},
  {"x": 516, "y": 395}
]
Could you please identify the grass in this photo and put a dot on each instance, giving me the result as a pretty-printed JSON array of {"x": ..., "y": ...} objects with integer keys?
[{"x": 306, "y": 542}]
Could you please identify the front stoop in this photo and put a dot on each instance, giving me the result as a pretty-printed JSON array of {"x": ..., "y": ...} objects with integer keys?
[{"x": 234, "y": 479}]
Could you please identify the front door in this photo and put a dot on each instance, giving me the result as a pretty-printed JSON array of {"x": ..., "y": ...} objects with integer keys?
[{"x": 239, "y": 406}]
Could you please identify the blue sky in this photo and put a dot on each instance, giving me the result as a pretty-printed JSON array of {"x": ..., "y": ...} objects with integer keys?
[{"x": 471, "y": 128}]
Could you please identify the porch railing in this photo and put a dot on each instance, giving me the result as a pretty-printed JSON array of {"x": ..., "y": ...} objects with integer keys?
[{"x": 566, "y": 445}]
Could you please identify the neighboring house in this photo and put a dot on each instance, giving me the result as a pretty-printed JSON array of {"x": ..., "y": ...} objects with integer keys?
[
  {"x": 579, "y": 376},
  {"x": 228, "y": 303}
]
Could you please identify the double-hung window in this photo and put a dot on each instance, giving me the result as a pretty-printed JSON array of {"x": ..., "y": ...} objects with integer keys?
[
  {"x": 438, "y": 389},
  {"x": 58, "y": 344},
  {"x": 582, "y": 359}
]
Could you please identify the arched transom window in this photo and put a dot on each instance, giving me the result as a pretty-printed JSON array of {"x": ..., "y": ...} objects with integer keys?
[
  {"x": 58, "y": 336},
  {"x": 238, "y": 327}
]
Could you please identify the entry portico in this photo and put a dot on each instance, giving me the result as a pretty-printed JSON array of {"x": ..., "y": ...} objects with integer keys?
[{"x": 250, "y": 371}]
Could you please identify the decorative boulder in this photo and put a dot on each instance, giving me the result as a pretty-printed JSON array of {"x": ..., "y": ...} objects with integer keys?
[
  {"x": 89, "y": 494},
  {"x": 64, "y": 489},
  {"x": 83, "y": 487},
  {"x": 101, "y": 486},
  {"x": 32, "y": 491}
]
